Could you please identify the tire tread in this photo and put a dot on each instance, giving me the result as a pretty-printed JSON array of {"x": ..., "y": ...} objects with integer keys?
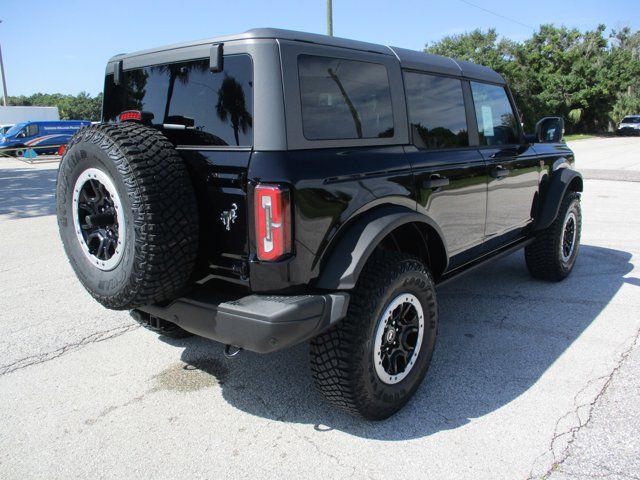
[
  {"x": 541, "y": 256},
  {"x": 164, "y": 210},
  {"x": 336, "y": 375}
]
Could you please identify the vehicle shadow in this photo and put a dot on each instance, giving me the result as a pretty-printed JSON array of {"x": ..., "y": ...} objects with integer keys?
[
  {"x": 499, "y": 332},
  {"x": 27, "y": 192}
]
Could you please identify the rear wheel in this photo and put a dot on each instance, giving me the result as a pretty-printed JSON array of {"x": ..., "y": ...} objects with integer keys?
[
  {"x": 554, "y": 252},
  {"x": 372, "y": 362}
]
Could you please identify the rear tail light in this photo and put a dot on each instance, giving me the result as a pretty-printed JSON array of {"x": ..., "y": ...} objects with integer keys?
[
  {"x": 61, "y": 150},
  {"x": 130, "y": 115},
  {"x": 272, "y": 209}
]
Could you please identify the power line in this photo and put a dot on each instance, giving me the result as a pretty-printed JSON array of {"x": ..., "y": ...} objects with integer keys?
[{"x": 497, "y": 14}]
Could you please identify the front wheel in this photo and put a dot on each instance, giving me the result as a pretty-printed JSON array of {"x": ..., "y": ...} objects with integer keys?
[
  {"x": 554, "y": 252},
  {"x": 373, "y": 361}
]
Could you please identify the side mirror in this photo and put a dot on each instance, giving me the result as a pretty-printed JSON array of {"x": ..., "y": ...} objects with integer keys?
[{"x": 550, "y": 130}]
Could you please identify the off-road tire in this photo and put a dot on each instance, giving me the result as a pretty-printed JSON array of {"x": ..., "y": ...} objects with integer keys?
[
  {"x": 342, "y": 358},
  {"x": 543, "y": 257},
  {"x": 159, "y": 209}
]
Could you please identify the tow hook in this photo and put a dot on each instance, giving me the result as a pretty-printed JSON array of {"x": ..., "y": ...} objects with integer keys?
[{"x": 231, "y": 351}]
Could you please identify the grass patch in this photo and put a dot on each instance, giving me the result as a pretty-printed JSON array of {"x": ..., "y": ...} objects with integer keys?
[{"x": 577, "y": 136}]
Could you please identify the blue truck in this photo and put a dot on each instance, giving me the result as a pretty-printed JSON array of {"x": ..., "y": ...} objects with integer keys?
[{"x": 39, "y": 137}]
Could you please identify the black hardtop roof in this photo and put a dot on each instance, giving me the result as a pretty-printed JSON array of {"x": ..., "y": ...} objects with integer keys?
[{"x": 408, "y": 58}]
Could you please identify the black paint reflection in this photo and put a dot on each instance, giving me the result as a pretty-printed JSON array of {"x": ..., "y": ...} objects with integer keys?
[
  {"x": 436, "y": 111},
  {"x": 344, "y": 99},
  {"x": 189, "y": 103}
]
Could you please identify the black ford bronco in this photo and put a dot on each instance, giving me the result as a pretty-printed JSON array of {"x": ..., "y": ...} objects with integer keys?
[{"x": 273, "y": 187}]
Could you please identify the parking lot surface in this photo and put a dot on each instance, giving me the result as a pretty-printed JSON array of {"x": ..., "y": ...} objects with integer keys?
[
  {"x": 528, "y": 378},
  {"x": 614, "y": 158}
]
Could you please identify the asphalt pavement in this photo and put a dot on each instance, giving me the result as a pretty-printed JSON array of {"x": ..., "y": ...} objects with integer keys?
[{"x": 529, "y": 379}]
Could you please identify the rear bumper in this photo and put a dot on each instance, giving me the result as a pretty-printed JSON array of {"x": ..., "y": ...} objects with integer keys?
[{"x": 260, "y": 323}]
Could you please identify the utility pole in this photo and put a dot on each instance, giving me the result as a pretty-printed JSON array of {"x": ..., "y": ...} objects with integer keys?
[
  {"x": 4, "y": 80},
  {"x": 329, "y": 18}
]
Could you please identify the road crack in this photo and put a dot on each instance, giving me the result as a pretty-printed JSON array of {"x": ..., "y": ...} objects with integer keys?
[
  {"x": 304, "y": 438},
  {"x": 575, "y": 412},
  {"x": 52, "y": 355}
]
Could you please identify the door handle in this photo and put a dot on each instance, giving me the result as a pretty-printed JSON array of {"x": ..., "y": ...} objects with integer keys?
[
  {"x": 435, "y": 181},
  {"x": 499, "y": 172}
]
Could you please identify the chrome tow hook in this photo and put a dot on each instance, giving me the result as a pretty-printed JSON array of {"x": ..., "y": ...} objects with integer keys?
[{"x": 231, "y": 351}]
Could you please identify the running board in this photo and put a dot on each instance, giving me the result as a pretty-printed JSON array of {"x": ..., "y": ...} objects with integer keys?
[{"x": 485, "y": 259}]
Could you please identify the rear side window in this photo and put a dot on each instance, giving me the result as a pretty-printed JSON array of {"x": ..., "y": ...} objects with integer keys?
[
  {"x": 192, "y": 105},
  {"x": 344, "y": 99},
  {"x": 436, "y": 111},
  {"x": 497, "y": 123}
]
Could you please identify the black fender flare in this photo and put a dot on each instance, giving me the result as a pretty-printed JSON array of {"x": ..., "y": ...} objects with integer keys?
[
  {"x": 347, "y": 258},
  {"x": 554, "y": 193}
]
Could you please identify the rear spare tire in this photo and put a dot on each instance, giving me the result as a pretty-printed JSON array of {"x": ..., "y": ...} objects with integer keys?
[{"x": 127, "y": 215}]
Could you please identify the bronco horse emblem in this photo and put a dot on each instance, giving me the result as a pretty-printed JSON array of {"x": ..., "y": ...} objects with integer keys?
[{"x": 229, "y": 216}]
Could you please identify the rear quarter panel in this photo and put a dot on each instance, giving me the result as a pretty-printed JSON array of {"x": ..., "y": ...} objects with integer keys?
[{"x": 329, "y": 187}]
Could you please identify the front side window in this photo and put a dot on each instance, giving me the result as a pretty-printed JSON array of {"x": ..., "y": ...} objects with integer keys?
[
  {"x": 344, "y": 99},
  {"x": 189, "y": 103},
  {"x": 497, "y": 123},
  {"x": 436, "y": 111}
]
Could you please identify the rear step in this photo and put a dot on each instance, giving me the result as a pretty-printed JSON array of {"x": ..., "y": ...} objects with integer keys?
[{"x": 259, "y": 323}]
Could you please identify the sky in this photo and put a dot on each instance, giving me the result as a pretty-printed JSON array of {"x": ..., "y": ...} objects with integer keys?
[{"x": 63, "y": 46}]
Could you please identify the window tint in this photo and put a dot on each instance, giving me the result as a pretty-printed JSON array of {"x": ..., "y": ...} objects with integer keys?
[
  {"x": 497, "y": 124},
  {"x": 344, "y": 99},
  {"x": 32, "y": 129},
  {"x": 192, "y": 105},
  {"x": 436, "y": 111}
]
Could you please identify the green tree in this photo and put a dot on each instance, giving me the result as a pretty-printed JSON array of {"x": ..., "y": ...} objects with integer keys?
[
  {"x": 232, "y": 105},
  {"x": 586, "y": 77},
  {"x": 626, "y": 55},
  {"x": 499, "y": 54}
]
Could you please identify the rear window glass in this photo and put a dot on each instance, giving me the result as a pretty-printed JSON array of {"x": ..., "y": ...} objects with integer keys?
[
  {"x": 344, "y": 99},
  {"x": 436, "y": 111},
  {"x": 631, "y": 120},
  {"x": 192, "y": 105}
]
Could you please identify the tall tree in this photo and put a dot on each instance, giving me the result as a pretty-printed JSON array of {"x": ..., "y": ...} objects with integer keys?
[
  {"x": 231, "y": 105},
  {"x": 583, "y": 76}
]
